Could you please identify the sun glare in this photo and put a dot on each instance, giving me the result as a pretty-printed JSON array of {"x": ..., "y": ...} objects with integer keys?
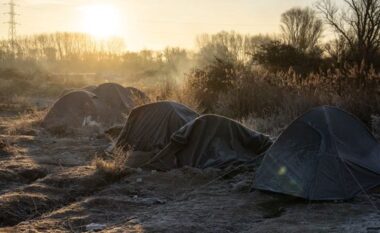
[{"x": 101, "y": 21}]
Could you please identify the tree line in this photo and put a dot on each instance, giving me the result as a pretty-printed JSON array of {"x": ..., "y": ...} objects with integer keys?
[
  {"x": 356, "y": 29},
  {"x": 355, "y": 43}
]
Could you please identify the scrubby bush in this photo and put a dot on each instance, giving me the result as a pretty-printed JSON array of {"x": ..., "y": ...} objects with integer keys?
[
  {"x": 242, "y": 92},
  {"x": 209, "y": 82},
  {"x": 276, "y": 56}
]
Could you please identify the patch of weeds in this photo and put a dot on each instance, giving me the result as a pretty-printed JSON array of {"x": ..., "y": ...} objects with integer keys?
[
  {"x": 114, "y": 167},
  {"x": 5, "y": 148},
  {"x": 26, "y": 123}
]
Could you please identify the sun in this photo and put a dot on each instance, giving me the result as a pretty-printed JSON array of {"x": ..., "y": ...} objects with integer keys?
[{"x": 101, "y": 21}]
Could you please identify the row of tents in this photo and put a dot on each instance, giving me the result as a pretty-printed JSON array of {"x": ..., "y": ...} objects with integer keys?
[{"x": 326, "y": 154}]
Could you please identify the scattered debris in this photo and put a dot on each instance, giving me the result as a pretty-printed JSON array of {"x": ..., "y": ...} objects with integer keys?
[
  {"x": 242, "y": 186},
  {"x": 95, "y": 227}
]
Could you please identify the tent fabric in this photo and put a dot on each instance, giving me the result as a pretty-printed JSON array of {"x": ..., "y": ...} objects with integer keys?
[
  {"x": 211, "y": 141},
  {"x": 139, "y": 97},
  {"x": 73, "y": 110},
  {"x": 149, "y": 127},
  {"x": 116, "y": 99},
  {"x": 326, "y": 154},
  {"x": 90, "y": 88},
  {"x": 115, "y": 96},
  {"x": 105, "y": 105}
]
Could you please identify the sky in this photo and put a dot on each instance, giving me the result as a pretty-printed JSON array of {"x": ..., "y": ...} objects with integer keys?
[{"x": 149, "y": 24}]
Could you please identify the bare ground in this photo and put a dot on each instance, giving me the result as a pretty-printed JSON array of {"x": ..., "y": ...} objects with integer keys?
[{"x": 50, "y": 184}]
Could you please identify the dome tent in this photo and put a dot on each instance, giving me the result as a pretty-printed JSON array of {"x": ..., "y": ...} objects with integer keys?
[
  {"x": 74, "y": 110},
  {"x": 210, "y": 141},
  {"x": 118, "y": 100},
  {"x": 90, "y": 88},
  {"x": 326, "y": 154},
  {"x": 137, "y": 96},
  {"x": 105, "y": 106},
  {"x": 149, "y": 127},
  {"x": 115, "y": 97}
]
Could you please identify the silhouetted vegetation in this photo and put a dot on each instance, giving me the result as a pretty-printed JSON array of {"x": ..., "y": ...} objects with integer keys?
[
  {"x": 276, "y": 56},
  {"x": 357, "y": 25},
  {"x": 301, "y": 28}
]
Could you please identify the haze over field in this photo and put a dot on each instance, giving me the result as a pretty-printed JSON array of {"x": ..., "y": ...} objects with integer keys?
[
  {"x": 151, "y": 24},
  {"x": 175, "y": 115}
]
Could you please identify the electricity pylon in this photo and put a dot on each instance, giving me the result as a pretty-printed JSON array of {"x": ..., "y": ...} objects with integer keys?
[{"x": 12, "y": 23}]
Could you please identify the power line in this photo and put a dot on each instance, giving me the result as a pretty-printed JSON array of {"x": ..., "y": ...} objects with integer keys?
[{"x": 12, "y": 23}]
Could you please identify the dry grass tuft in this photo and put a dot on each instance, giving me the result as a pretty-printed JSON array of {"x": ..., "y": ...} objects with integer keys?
[
  {"x": 115, "y": 166},
  {"x": 25, "y": 124},
  {"x": 16, "y": 206},
  {"x": 6, "y": 148}
]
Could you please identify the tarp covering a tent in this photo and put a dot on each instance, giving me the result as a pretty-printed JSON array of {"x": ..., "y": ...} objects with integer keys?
[
  {"x": 326, "y": 154},
  {"x": 106, "y": 105},
  {"x": 149, "y": 127},
  {"x": 210, "y": 141}
]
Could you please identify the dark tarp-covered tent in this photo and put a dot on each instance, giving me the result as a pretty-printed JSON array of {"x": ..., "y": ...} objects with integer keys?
[
  {"x": 210, "y": 141},
  {"x": 149, "y": 127},
  {"x": 326, "y": 154}
]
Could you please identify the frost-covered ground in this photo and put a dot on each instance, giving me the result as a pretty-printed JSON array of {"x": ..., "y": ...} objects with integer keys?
[{"x": 50, "y": 184}]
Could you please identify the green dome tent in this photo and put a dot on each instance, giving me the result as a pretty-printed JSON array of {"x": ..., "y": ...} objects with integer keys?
[{"x": 326, "y": 154}]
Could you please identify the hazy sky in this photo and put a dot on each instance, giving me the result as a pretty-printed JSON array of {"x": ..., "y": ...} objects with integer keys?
[{"x": 152, "y": 24}]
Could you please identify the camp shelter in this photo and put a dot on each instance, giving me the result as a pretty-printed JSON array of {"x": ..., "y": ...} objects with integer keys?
[
  {"x": 90, "y": 88},
  {"x": 74, "y": 110},
  {"x": 137, "y": 96},
  {"x": 211, "y": 141},
  {"x": 104, "y": 105},
  {"x": 326, "y": 154},
  {"x": 149, "y": 127},
  {"x": 115, "y": 97}
]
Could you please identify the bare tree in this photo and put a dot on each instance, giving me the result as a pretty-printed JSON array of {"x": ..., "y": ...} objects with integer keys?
[
  {"x": 301, "y": 28},
  {"x": 358, "y": 24}
]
